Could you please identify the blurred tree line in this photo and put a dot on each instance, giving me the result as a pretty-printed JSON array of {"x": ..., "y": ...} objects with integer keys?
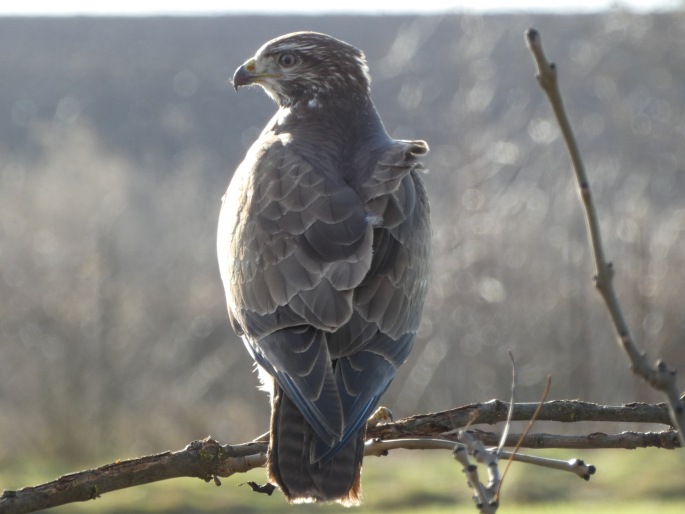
[{"x": 118, "y": 138}]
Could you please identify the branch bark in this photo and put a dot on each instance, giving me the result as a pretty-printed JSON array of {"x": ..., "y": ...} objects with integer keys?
[
  {"x": 204, "y": 459},
  {"x": 208, "y": 459},
  {"x": 496, "y": 411},
  {"x": 660, "y": 376}
]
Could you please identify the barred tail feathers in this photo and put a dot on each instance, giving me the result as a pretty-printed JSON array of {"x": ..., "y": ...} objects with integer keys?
[{"x": 292, "y": 444}]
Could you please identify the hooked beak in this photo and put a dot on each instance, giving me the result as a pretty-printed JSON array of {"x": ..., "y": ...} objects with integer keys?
[{"x": 245, "y": 74}]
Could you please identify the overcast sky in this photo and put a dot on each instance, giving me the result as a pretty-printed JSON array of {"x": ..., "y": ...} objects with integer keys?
[{"x": 143, "y": 7}]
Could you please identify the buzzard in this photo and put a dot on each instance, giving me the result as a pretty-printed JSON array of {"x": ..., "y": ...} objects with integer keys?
[{"x": 324, "y": 250}]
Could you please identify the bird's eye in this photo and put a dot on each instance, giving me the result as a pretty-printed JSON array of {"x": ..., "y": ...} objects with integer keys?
[{"x": 287, "y": 60}]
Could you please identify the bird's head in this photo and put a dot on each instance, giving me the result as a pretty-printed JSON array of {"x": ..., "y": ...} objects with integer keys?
[{"x": 306, "y": 67}]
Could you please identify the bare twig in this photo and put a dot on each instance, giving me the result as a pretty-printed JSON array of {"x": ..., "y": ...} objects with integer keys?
[
  {"x": 525, "y": 433},
  {"x": 507, "y": 425},
  {"x": 381, "y": 448},
  {"x": 575, "y": 466},
  {"x": 660, "y": 377},
  {"x": 483, "y": 495},
  {"x": 480, "y": 495},
  {"x": 489, "y": 457}
]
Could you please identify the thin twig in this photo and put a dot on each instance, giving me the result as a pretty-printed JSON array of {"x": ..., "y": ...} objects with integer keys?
[
  {"x": 480, "y": 494},
  {"x": 660, "y": 377},
  {"x": 380, "y": 448},
  {"x": 525, "y": 432},
  {"x": 507, "y": 425},
  {"x": 575, "y": 466},
  {"x": 485, "y": 495}
]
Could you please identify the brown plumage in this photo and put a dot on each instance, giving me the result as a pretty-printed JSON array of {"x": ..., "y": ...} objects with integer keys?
[{"x": 324, "y": 250}]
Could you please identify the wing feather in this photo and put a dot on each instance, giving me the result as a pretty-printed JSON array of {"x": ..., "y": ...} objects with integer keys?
[{"x": 326, "y": 277}]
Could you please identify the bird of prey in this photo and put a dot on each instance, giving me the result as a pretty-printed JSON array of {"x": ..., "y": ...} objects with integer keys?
[{"x": 324, "y": 250}]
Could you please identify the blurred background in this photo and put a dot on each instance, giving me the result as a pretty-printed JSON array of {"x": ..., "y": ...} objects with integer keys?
[{"x": 118, "y": 137}]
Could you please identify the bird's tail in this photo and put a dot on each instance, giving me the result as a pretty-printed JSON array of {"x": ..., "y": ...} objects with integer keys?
[{"x": 290, "y": 466}]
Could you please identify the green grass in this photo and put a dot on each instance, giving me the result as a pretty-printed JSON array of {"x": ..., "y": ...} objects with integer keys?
[{"x": 628, "y": 482}]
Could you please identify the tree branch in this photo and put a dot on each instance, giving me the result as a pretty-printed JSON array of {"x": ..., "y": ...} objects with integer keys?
[
  {"x": 208, "y": 459},
  {"x": 496, "y": 411},
  {"x": 204, "y": 459},
  {"x": 660, "y": 377},
  {"x": 667, "y": 440},
  {"x": 380, "y": 448}
]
